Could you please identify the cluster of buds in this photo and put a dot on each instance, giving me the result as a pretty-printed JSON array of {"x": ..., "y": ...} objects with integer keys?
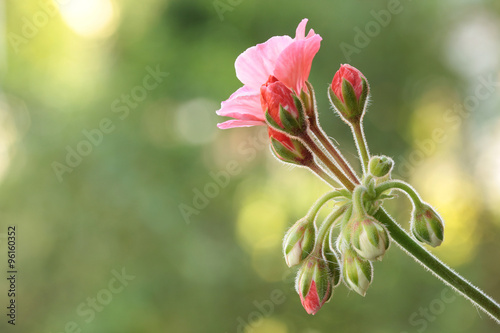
[
  {"x": 276, "y": 94},
  {"x": 362, "y": 239},
  {"x": 320, "y": 269}
]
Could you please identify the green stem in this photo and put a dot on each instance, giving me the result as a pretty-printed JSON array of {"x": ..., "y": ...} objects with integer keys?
[
  {"x": 359, "y": 135},
  {"x": 438, "y": 268},
  {"x": 400, "y": 185},
  {"x": 313, "y": 211},
  {"x": 333, "y": 151},
  {"x": 357, "y": 200},
  {"x": 316, "y": 150},
  {"x": 327, "y": 223}
]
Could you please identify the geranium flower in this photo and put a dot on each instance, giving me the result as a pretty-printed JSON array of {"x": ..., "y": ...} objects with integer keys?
[{"x": 288, "y": 59}]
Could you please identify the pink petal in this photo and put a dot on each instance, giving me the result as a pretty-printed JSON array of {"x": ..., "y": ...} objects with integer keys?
[
  {"x": 300, "y": 33},
  {"x": 239, "y": 123},
  {"x": 245, "y": 106},
  {"x": 254, "y": 66},
  {"x": 245, "y": 90},
  {"x": 294, "y": 63}
]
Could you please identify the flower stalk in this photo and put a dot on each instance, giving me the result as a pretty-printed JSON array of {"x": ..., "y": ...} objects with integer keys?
[{"x": 276, "y": 94}]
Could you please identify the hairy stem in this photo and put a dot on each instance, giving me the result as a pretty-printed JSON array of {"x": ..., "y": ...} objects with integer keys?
[
  {"x": 327, "y": 223},
  {"x": 402, "y": 186},
  {"x": 323, "y": 175},
  {"x": 313, "y": 211},
  {"x": 438, "y": 268},
  {"x": 359, "y": 135},
  {"x": 333, "y": 151},
  {"x": 316, "y": 150}
]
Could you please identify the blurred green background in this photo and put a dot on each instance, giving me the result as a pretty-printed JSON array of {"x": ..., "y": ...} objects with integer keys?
[{"x": 99, "y": 157}]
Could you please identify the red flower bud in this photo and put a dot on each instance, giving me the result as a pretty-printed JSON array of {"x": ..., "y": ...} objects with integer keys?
[
  {"x": 348, "y": 93},
  {"x": 352, "y": 75},
  {"x": 284, "y": 111},
  {"x": 314, "y": 284},
  {"x": 312, "y": 302},
  {"x": 289, "y": 149}
]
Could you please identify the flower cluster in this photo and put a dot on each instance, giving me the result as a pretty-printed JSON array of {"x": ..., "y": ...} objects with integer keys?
[{"x": 276, "y": 93}]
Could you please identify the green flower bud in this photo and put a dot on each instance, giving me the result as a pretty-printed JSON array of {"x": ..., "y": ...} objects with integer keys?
[
  {"x": 380, "y": 166},
  {"x": 298, "y": 242},
  {"x": 357, "y": 272},
  {"x": 369, "y": 238},
  {"x": 426, "y": 225}
]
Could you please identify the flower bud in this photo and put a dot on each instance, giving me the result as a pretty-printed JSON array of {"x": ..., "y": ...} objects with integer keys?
[
  {"x": 348, "y": 93},
  {"x": 380, "y": 166},
  {"x": 298, "y": 242},
  {"x": 427, "y": 226},
  {"x": 288, "y": 149},
  {"x": 284, "y": 110},
  {"x": 357, "y": 272},
  {"x": 313, "y": 284},
  {"x": 369, "y": 238}
]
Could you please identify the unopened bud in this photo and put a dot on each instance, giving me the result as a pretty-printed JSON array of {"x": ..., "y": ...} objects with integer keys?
[
  {"x": 289, "y": 149},
  {"x": 427, "y": 226},
  {"x": 313, "y": 284},
  {"x": 348, "y": 93},
  {"x": 298, "y": 242},
  {"x": 283, "y": 109},
  {"x": 380, "y": 166},
  {"x": 357, "y": 272},
  {"x": 369, "y": 238}
]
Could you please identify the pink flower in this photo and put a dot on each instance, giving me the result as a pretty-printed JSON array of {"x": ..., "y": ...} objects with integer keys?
[
  {"x": 288, "y": 59},
  {"x": 353, "y": 76}
]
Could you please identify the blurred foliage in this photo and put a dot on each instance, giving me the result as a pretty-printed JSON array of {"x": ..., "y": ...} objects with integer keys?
[{"x": 65, "y": 68}]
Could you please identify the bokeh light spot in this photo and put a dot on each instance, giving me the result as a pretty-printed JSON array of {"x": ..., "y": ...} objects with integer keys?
[
  {"x": 443, "y": 185},
  {"x": 261, "y": 224},
  {"x": 195, "y": 121},
  {"x": 90, "y": 18},
  {"x": 267, "y": 325}
]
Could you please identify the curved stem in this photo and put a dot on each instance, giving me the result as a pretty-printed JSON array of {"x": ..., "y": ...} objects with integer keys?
[
  {"x": 359, "y": 135},
  {"x": 329, "y": 164},
  {"x": 438, "y": 268},
  {"x": 400, "y": 185},
  {"x": 313, "y": 211},
  {"x": 333, "y": 151},
  {"x": 327, "y": 223}
]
